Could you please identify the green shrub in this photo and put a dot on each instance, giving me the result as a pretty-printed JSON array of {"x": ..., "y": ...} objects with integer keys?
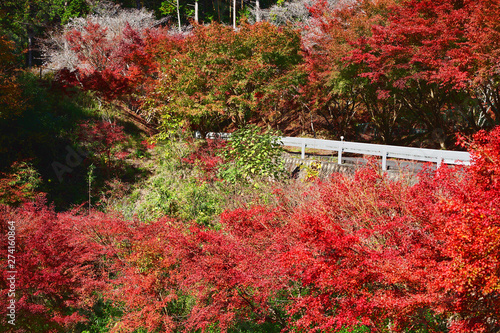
[
  {"x": 173, "y": 190},
  {"x": 251, "y": 155}
]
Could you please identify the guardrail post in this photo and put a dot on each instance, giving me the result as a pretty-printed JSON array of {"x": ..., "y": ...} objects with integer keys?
[
  {"x": 439, "y": 161},
  {"x": 340, "y": 150},
  {"x": 303, "y": 152},
  {"x": 384, "y": 161}
]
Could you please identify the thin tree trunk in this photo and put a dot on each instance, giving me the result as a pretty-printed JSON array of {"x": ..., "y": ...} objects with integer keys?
[
  {"x": 257, "y": 6},
  {"x": 179, "y": 15},
  {"x": 234, "y": 14},
  {"x": 30, "y": 46},
  {"x": 218, "y": 10},
  {"x": 196, "y": 11}
]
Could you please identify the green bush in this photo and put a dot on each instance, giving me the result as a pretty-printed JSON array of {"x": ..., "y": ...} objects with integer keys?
[
  {"x": 251, "y": 154},
  {"x": 177, "y": 189},
  {"x": 173, "y": 190}
]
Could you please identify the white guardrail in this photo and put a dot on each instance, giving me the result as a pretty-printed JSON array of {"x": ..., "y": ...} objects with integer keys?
[{"x": 384, "y": 151}]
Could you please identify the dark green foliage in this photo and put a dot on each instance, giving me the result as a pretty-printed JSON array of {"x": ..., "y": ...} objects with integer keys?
[
  {"x": 41, "y": 133},
  {"x": 99, "y": 317},
  {"x": 26, "y": 20}
]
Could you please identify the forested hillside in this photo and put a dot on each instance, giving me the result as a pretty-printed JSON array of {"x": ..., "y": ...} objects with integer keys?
[{"x": 116, "y": 217}]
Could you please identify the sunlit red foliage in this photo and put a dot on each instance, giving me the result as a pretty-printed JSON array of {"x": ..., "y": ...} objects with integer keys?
[
  {"x": 112, "y": 67},
  {"x": 469, "y": 227},
  {"x": 208, "y": 158},
  {"x": 434, "y": 60},
  {"x": 399, "y": 65},
  {"x": 404, "y": 64},
  {"x": 334, "y": 93},
  {"x": 147, "y": 144},
  {"x": 363, "y": 255},
  {"x": 236, "y": 271},
  {"x": 419, "y": 39},
  {"x": 362, "y": 250},
  {"x": 55, "y": 268},
  {"x": 483, "y": 32}
]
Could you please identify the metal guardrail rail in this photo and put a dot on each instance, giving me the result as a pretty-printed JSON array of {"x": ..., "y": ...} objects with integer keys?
[{"x": 384, "y": 151}]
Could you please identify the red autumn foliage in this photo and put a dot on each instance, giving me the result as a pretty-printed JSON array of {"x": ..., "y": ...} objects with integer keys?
[
  {"x": 380, "y": 253},
  {"x": 207, "y": 157},
  {"x": 147, "y": 280},
  {"x": 469, "y": 226},
  {"x": 431, "y": 59},
  {"x": 417, "y": 42},
  {"x": 100, "y": 69},
  {"x": 147, "y": 144},
  {"x": 404, "y": 64},
  {"x": 55, "y": 271},
  {"x": 102, "y": 138},
  {"x": 236, "y": 271},
  {"x": 369, "y": 251},
  {"x": 19, "y": 184},
  {"x": 362, "y": 250},
  {"x": 363, "y": 255},
  {"x": 327, "y": 43},
  {"x": 111, "y": 66}
]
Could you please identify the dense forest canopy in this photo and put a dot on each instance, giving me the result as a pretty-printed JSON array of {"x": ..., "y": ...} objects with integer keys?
[
  {"x": 114, "y": 217},
  {"x": 414, "y": 72}
]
